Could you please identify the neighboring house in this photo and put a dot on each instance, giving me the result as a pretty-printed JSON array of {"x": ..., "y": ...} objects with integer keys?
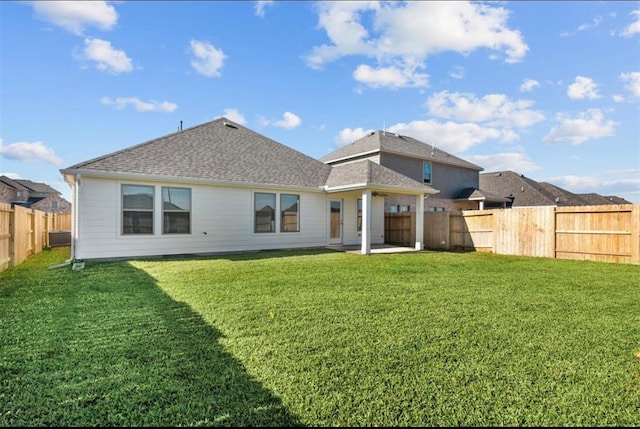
[
  {"x": 456, "y": 180},
  {"x": 26, "y": 193},
  {"x": 522, "y": 191},
  {"x": 220, "y": 187}
]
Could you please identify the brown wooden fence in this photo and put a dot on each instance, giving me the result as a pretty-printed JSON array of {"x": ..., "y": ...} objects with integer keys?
[
  {"x": 608, "y": 233},
  {"x": 25, "y": 232}
]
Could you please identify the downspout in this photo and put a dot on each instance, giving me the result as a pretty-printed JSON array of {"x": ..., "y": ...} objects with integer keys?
[{"x": 74, "y": 221}]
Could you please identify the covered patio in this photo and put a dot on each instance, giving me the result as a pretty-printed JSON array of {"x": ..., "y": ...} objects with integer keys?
[{"x": 365, "y": 180}]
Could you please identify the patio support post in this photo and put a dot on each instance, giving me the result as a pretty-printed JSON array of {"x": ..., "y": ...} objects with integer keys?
[
  {"x": 366, "y": 222},
  {"x": 419, "y": 221}
]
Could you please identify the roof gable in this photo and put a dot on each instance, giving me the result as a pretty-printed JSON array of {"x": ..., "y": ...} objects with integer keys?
[
  {"x": 395, "y": 144},
  {"x": 219, "y": 150}
]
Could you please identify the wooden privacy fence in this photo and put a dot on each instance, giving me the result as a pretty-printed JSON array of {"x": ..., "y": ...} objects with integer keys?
[
  {"x": 25, "y": 232},
  {"x": 608, "y": 233}
]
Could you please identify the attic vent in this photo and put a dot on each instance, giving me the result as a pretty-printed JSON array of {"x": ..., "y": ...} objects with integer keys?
[{"x": 227, "y": 124}]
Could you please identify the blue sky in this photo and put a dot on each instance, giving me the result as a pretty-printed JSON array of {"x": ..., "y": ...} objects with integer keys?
[{"x": 550, "y": 90}]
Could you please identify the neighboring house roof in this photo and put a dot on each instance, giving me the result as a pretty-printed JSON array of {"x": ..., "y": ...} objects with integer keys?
[
  {"x": 617, "y": 200},
  {"x": 508, "y": 184},
  {"x": 473, "y": 194},
  {"x": 41, "y": 188},
  {"x": 224, "y": 151},
  {"x": 366, "y": 173},
  {"x": 394, "y": 144},
  {"x": 13, "y": 184},
  {"x": 528, "y": 192},
  {"x": 561, "y": 197},
  {"x": 597, "y": 199}
]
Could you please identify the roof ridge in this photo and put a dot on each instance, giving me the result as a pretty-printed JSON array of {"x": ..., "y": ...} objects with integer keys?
[{"x": 136, "y": 146}]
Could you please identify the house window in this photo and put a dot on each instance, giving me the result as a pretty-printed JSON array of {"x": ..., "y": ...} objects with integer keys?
[
  {"x": 426, "y": 172},
  {"x": 435, "y": 209},
  {"x": 137, "y": 209},
  {"x": 265, "y": 212},
  {"x": 289, "y": 217},
  {"x": 403, "y": 208},
  {"x": 393, "y": 209},
  {"x": 359, "y": 215},
  {"x": 176, "y": 210}
]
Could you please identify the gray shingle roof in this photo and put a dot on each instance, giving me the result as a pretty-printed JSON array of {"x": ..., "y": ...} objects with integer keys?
[
  {"x": 391, "y": 143},
  {"x": 370, "y": 174},
  {"x": 224, "y": 151},
  {"x": 219, "y": 150}
]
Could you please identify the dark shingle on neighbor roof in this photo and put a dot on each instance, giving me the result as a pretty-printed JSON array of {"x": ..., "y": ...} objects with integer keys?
[
  {"x": 37, "y": 187},
  {"x": 506, "y": 184},
  {"x": 597, "y": 199},
  {"x": 370, "y": 174},
  {"x": 219, "y": 150},
  {"x": 391, "y": 143},
  {"x": 12, "y": 183},
  {"x": 471, "y": 194},
  {"x": 528, "y": 192}
]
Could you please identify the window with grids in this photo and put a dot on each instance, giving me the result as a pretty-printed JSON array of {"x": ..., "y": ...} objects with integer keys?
[
  {"x": 176, "y": 210},
  {"x": 137, "y": 209}
]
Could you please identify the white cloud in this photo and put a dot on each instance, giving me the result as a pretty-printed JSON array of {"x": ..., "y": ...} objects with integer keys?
[
  {"x": 588, "y": 125},
  {"x": 105, "y": 56},
  {"x": 632, "y": 81},
  {"x": 504, "y": 161},
  {"x": 234, "y": 115},
  {"x": 391, "y": 77},
  {"x": 289, "y": 121},
  {"x": 208, "y": 60},
  {"x": 29, "y": 152},
  {"x": 260, "y": 8},
  {"x": 494, "y": 109},
  {"x": 75, "y": 16},
  {"x": 528, "y": 85},
  {"x": 457, "y": 72},
  {"x": 583, "y": 87},
  {"x": 634, "y": 27},
  {"x": 406, "y": 33},
  {"x": 139, "y": 105},
  {"x": 596, "y": 22},
  {"x": 349, "y": 135},
  {"x": 451, "y": 136}
]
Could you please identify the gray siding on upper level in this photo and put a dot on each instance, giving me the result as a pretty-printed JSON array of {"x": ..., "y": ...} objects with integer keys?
[{"x": 448, "y": 179}]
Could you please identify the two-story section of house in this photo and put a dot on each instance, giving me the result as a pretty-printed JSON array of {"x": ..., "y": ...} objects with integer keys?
[{"x": 456, "y": 180}]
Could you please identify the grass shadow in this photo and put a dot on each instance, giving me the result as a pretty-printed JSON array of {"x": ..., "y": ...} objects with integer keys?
[{"x": 110, "y": 348}]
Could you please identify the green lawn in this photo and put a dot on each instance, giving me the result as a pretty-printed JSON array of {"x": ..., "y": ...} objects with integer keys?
[{"x": 320, "y": 338}]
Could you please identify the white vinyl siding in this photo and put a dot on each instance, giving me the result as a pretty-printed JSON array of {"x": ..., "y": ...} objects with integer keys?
[{"x": 222, "y": 220}]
